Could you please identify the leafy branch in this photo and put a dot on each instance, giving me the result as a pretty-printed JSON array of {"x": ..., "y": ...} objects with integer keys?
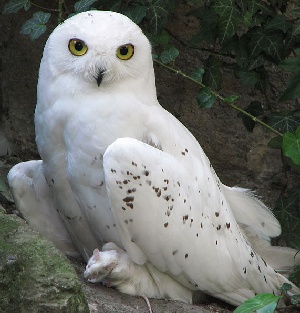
[{"x": 228, "y": 100}]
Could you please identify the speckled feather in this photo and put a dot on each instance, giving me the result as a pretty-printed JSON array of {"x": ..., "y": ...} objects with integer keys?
[
  {"x": 156, "y": 194},
  {"x": 182, "y": 225}
]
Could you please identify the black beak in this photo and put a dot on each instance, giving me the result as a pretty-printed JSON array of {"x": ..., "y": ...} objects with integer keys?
[{"x": 99, "y": 77}]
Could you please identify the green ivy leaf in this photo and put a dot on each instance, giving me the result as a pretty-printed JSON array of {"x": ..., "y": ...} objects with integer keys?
[
  {"x": 13, "y": 6},
  {"x": 279, "y": 22},
  {"x": 258, "y": 5},
  {"x": 273, "y": 46},
  {"x": 27, "y": 6},
  {"x": 232, "y": 45},
  {"x": 255, "y": 109},
  {"x": 295, "y": 275},
  {"x": 247, "y": 78},
  {"x": 285, "y": 287},
  {"x": 111, "y": 5},
  {"x": 269, "y": 308},
  {"x": 275, "y": 142},
  {"x": 206, "y": 98},
  {"x": 158, "y": 11},
  {"x": 290, "y": 42},
  {"x": 286, "y": 209},
  {"x": 35, "y": 27},
  {"x": 161, "y": 39},
  {"x": 229, "y": 18},
  {"x": 209, "y": 25},
  {"x": 291, "y": 145},
  {"x": 257, "y": 37},
  {"x": 231, "y": 99},
  {"x": 293, "y": 89},
  {"x": 169, "y": 55},
  {"x": 296, "y": 29},
  {"x": 198, "y": 74},
  {"x": 247, "y": 18},
  {"x": 255, "y": 63},
  {"x": 83, "y": 5},
  {"x": 295, "y": 299},
  {"x": 285, "y": 121},
  {"x": 136, "y": 13},
  {"x": 291, "y": 64},
  {"x": 258, "y": 302},
  {"x": 242, "y": 53},
  {"x": 261, "y": 83},
  {"x": 269, "y": 41},
  {"x": 296, "y": 13},
  {"x": 212, "y": 76},
  {"x": 205, "y": 34}
]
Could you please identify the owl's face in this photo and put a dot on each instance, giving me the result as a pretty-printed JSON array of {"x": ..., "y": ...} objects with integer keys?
[{"x": 96, "y": 48}]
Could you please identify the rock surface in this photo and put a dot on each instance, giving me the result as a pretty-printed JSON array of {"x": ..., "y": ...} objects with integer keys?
[{"x": 34, "y": 275}]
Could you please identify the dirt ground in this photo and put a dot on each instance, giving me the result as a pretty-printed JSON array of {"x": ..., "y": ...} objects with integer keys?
[{"x": 239, "y": 157}]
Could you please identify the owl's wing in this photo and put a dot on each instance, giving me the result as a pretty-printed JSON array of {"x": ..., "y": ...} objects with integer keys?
[
  {"x": 34, "y": 200},
  {"x": 163, "y": 215}
]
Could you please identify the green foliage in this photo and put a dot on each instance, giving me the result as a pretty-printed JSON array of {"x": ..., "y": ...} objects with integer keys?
[
  {"x": 35, "y": 27},
  {"x": 287, "y": 211},
  {"x": 13, "y": 6},
  {"x": 285, "y": 121},
  {"x": 206, "y": 98},
  {"x": 262, "y": 303},
  {"x": 83, "y": 5},
  {"x": 212, "y": 73},
  {"x": 255, "y": 109},
  {"x": 295, "y": 299},
  {"x": 255, "y": 31},
  {"x": 230, "y": 99},
  {"x": 154, "y": 12},
  {"x": 293, "y": 89},
  {"x": 198, "y": 74},
  {"x": 170, "y": 55},
  {"x": 291, "y": 145},
  {"x": 275, "y": 142},
  {"x": 295, "y": 276},
  {"x": 136, "y": 13}
]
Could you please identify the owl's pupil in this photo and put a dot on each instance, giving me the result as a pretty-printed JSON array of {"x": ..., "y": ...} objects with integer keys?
[
  {"x": 78, "y": 46},
  {"x": 123, "y": 50}
]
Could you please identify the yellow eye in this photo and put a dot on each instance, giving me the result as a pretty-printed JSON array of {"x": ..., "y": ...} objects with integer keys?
[
  {"x": 125, "y": 52},
  {"x": 77, "y": 47}
]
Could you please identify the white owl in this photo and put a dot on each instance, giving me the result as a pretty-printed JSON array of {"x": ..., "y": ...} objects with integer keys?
[{"x": 117, "y": 167}]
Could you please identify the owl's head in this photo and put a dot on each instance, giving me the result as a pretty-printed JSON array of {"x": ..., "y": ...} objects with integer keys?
[{"x": 96, "y": 48}]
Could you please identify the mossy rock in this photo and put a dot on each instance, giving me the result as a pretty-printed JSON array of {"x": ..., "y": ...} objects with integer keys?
[{"x": 34, "y": 275}]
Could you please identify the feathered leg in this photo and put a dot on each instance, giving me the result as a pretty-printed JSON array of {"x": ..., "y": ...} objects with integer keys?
[{"x": 34, "y": 200}]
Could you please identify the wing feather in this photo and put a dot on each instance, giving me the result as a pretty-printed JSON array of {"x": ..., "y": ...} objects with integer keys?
[{"x": 163, "y": 216}]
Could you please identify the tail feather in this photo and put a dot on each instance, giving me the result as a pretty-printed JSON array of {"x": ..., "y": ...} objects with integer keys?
[
  {"x": 282, "y": 259},
  {"x": 249, "y": 210},
  {"x": 259, "y": 224}
]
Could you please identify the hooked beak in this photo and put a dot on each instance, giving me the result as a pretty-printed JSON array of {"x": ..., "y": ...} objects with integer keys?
[{"x": 99, "y": 77}]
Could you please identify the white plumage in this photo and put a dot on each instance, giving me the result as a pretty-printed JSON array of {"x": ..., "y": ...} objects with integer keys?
[{"x": 119, "y": 168}]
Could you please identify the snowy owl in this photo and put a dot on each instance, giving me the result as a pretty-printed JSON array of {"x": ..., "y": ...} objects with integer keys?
[{"x": 117, "y": 167}]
